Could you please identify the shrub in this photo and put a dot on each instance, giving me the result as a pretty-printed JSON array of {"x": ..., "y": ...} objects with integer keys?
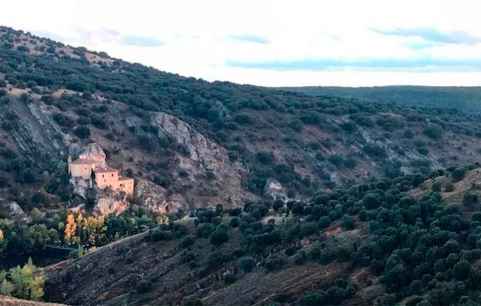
[
  {"x": 63, "y": 120},
  {"x": 157, "y": 234},
  {"x": 247, "y": 264},
  {"x": 309, "y": 228},
  {"x": 219, "y": 236},
  {"x": 324, "y": 222},
  {"x": 449, "y": 187},
  {"x": 470, "y": 198},
  {"x": 462, "y": 270},
  {"x": 205, "y": 230},
  {"x": 144, "y": 286},
  {"x": 265, "y": 158},
  {"x": 39, "y": 198},
  {"x": 187, "y": 242},
  {"x": 436, "y": 187},
  {"x": 274, "y": 262},
  {"x": 374, "y": 151},
  {"x": 433, "y": 132},
  {"x": 347, "y": 223},
  {"x": 458, "y": 174},
  {"x": 82, "y": 132}
]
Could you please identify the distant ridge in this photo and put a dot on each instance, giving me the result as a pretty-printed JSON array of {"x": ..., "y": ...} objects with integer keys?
[{"x": 461, "y": 98}]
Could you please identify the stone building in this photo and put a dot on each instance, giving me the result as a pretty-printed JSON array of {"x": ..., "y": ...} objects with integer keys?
[
  {"x": 109, "y": 178},
  {"x": 91, "y": 165}
]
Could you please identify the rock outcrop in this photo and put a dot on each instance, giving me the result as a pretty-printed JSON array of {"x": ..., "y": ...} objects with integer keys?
[
  {"x": 109, "y": 202},
  {"x": 275, "y": 190},
  {"x": 156, "y": 198},
  {"x": 13, "y": 211},
  {"x": 203, "y": 158},
  {"x": 94, "y": 152}
]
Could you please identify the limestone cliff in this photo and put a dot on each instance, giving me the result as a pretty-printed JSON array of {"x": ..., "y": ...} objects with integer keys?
[{"x": 203, "y": 159}]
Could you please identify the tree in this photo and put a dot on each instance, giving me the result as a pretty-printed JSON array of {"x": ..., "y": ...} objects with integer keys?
[
  {"x": 82, "y": 132},
  {"x": 347, "y": 223},
  {"x": 458, "y": 174},
  {"x": 219, "y": 236},
  {"x": 247, "y": 264},
  {"x": 433, "y": 132},
  {"x": 25, "y": 282},
  {"x": 462, "y": 270},
  {"x": 470, "y": 198}
]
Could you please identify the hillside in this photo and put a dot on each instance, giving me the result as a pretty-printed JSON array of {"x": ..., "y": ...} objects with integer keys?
[
  {"x": 389, "y": 242},
  {"x": 189, "y": 136},
  {"x": 243, "y": 195},
  {"x": 466, "y": 99}
]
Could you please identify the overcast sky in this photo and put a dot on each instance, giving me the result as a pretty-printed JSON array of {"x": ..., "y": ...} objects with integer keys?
[{"x": 273, "y": 43}]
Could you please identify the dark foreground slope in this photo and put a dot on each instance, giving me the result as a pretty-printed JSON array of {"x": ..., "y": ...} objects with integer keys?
[{"x": 404, "y": 240}]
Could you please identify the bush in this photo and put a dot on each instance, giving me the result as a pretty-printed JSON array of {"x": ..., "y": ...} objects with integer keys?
[
  {"x": 247, "y": 264},
  {"x": 157, "y": 234},
  {"x": 205, "y": 230},
  {"x": 274, "y": 262},
  {"x": 433, "y": 132},
  {"x": 219, "y": 236},
  {"x": 187, "y": 242},
  {"x": 458, "y": 174},
  {"x": 324, "y": 222},
  {"x": 144, "y": 286},
  {"x": 374, "y": 151},
  {"x": 449, "y": 187},
  {"x": 470, "y": 198},
  {"x": 63, "y": 120},
  {"x": 265, "y": 158},
  {"x": 436, "y": 187},
  {"x": 347, "y": 223},
  {"x": 82, "y": 132},
  {"x": 309, "y": 228}
]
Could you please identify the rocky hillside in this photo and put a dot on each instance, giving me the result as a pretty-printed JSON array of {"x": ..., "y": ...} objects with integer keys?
[
  {"x": 281, "y": 198},
  {"x": 195, "y": 143},
  {"x": 403, "y": 241}
]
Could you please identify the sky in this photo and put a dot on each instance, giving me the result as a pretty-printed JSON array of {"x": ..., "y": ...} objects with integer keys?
[{"x": 273, "y": 43}]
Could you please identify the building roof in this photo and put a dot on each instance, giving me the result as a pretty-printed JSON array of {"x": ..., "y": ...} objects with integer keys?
[
  {"x": 105, "y": 170},
  {"x": 83, "y": 162}
]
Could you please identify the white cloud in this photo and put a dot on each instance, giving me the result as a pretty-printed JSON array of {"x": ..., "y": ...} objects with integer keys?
[{"x": 200, "y": 38}]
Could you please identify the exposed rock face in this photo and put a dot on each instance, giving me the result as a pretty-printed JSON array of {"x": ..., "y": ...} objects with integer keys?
[
  {"x": 94, "y": 152},
  {"x": 275, "y": 190},
  {"x": 110, "y": 203},
  {"x": 204, "y": 158},
  {"x": 14, "y": 212},
  {"x": 80, "y": 186},
  {"x": 156, "y": 199},
  {"x": 35, "y": 132}
]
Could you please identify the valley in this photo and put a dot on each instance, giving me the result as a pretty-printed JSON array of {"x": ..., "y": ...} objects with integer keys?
[{"x": 141, "y": 187}]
